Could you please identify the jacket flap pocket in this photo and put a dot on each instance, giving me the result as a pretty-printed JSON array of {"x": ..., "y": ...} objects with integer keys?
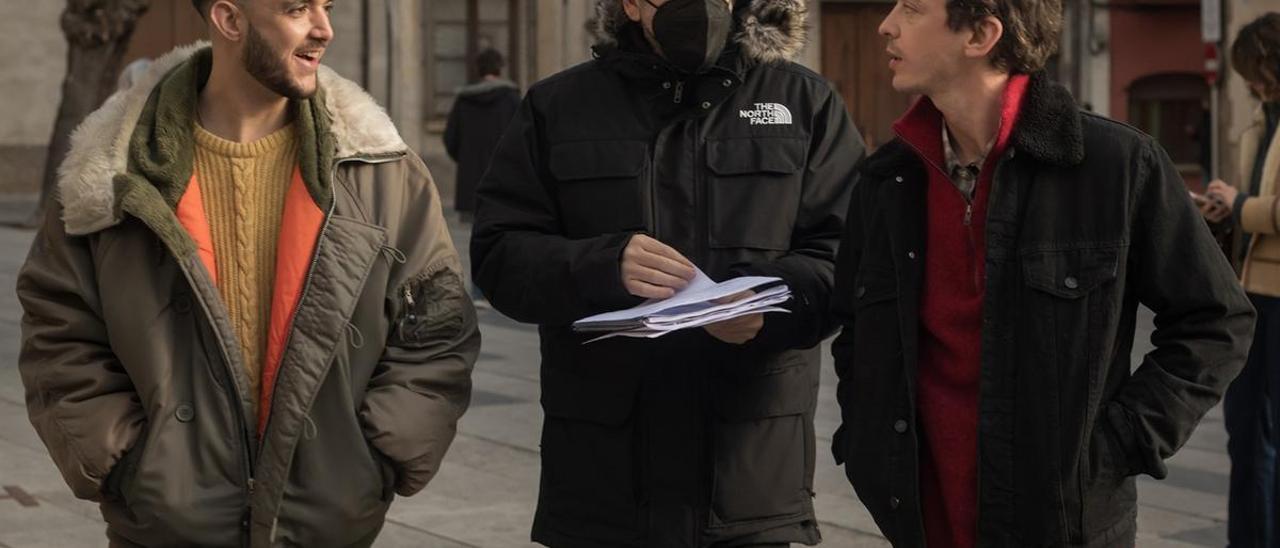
[
  {"x": 779, "y": 155},
  {"x": 788, "y": 391},
  {"x": 597, "y": 159},
  {"x": 601, "y": 401},
  {"x": 1070, "y": 273}
]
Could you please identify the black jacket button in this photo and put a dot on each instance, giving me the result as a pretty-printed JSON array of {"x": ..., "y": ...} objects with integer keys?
[
  {"x": 862, "y": 291},
  {"x": 894, "y": 503},
  {"x": 1071, "y": 282},
  {"x": 900, "y": 426}
]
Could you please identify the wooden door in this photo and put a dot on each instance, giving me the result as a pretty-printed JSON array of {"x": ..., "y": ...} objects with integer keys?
[
  {"x": 166, "y": 25},
  {"x": 853, "y": 58}
]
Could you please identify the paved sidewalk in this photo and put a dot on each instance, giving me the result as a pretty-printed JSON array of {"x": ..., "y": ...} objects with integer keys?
[{"x": 485, "y": 492}]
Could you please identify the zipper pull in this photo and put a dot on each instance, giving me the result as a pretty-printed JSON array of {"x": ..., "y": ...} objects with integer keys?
[
  {"x": 679, "y": 96},
  {"x": 968, "y": 214},
  {"x": 408, "y": 299},
  {"x": 251, "y": 486}
]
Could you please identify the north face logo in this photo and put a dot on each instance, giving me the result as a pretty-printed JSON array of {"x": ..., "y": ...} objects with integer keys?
[{"x": 767, "y": 114}]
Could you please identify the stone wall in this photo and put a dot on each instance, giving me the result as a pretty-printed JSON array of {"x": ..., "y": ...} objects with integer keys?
[{"x": 31, "y": 72}]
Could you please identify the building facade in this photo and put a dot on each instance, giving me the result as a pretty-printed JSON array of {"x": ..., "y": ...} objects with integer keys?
[{"x": 1138, "y": 61}]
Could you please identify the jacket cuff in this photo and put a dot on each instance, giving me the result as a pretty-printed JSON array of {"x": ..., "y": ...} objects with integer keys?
[
  {"x": 413, "y": 476},
  {"x": 1127, "y": 441},
  {"x": 1257, "y": 215},
  {"x": 781, "y": 331},
  {"x": 598, "y": 274}
]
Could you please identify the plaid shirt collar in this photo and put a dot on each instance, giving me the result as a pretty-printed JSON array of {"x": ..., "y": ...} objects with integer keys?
[{"x": 964, "y": 176}]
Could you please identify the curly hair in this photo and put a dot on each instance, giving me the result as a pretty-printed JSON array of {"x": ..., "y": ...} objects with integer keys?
[
  {"x": 1032, "y": 29},
  {"x": 1256, "y": 53}
]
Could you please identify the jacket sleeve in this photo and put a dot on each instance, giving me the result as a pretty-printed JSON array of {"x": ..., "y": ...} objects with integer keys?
[
  {"x": 452, "y": 139},
  {"x": 520, "y": 258},
  {"x": 1260, "y": 215},
  {"x": 422, "y": 384},
  {"x": 79, "y": 397},
  {"x": 835, "y": 147},
  {"x": 1203, "y": 320}
]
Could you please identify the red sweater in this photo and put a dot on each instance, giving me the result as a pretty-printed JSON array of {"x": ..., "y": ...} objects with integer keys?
[{"x": 951, "y": 326}]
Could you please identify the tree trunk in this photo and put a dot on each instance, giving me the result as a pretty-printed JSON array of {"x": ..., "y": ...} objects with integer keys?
[{"x": 98, "y": 33}]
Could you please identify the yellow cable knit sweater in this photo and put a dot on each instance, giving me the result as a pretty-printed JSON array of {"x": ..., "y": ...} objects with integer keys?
[{"x": 244, "y": 187}]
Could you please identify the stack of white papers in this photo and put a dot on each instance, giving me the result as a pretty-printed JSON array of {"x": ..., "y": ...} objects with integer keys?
[{"x": 693, "y": 306}]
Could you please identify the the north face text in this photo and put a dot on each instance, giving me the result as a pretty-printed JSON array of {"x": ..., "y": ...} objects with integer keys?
[{"x": 767, "y": 114}]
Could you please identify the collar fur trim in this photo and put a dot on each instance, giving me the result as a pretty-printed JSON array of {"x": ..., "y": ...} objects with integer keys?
[{"x": 100, "y": 145}]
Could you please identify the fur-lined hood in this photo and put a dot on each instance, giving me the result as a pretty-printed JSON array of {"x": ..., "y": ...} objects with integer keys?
[
  {"x": 100, "y": 145},
  {"x": 766, "y": 31}
]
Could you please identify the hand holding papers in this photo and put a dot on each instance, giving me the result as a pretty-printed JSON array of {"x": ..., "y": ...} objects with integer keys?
[
  {"x": 699, "y": 304},
  {"x": 739, "y": 330},
  {"x": 654, "y": 270}
]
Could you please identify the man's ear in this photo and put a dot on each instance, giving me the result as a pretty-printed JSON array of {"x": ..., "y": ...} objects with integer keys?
[
  {"x": 632, "y": 8},
  {"x": 228, "y": 20},
  {"x": 984, "y": 36}
]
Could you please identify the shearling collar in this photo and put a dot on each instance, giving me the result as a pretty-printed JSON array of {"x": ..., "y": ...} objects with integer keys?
[
  {"x": 766, "y": 31},
  {"x": 101, "y": 146},
  {"x": 1050, "y": 128}
]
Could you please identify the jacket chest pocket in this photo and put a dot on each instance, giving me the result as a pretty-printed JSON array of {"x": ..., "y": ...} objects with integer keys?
[
  {"x": 600, "y": 186},
  {"x": 754, "y": 191},
  {"x": 1070, "y": 273},
  {"x": 1069, "y": 295}
]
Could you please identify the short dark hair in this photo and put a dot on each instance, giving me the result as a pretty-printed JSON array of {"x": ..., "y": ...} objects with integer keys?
[
  {"x": 489, "y": 62},
  {"x": 1032, "y": 29},
  {"x": 1256, "y": 52}
]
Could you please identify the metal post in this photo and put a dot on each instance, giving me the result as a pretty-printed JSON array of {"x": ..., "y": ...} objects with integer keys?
[
  {"x": 391, "y": 58},
  {"x": 1211, "y": 33},
  {"x": 1215, "y": 143},
  {"x": 513, "y": 40},
  {"x": 366, "y": 40}
]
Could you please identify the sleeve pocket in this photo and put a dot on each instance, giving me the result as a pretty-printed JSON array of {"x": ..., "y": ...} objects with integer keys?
[{"x": 432, "y": 308}]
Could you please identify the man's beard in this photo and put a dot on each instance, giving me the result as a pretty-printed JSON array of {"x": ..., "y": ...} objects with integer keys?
[{"x": 269, "y": 69}]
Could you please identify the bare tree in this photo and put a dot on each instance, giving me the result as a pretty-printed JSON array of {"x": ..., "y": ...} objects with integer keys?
[{"x": 98, "y": 33}]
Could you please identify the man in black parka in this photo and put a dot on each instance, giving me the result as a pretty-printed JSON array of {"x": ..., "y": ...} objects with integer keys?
[
  {"x": 614, "y": 179},
  {"x": 479, "y": 115}
]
